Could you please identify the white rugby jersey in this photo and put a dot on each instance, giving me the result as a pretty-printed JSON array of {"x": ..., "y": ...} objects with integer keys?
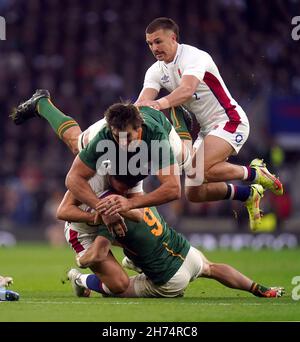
[{"x": 212, "y": 102}]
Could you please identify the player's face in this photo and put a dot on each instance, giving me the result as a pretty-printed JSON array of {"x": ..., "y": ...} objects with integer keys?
[
  {"x": 162, "y": 44},
  {"x": 120, "y": 187},
  {"x": 125, "y": 137}
]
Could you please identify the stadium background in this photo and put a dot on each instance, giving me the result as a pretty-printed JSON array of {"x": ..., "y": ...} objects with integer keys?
[{"x": 90, "y": 54}]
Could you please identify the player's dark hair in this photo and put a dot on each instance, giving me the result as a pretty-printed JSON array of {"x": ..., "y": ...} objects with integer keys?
[
  {"x": 120, "y": 115},
  {"x": 163, "y": 23}
]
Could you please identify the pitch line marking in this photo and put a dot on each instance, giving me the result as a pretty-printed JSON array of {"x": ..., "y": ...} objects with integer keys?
[{"x": 142, "y": 303}]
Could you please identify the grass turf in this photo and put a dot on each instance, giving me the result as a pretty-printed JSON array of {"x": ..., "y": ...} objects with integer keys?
[{"x": 38, "y": 269}]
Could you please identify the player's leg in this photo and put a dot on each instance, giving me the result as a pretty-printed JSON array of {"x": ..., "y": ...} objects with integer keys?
[
  {"x": 97, "y": 252},
  {"x": 64, "y": 126},
  {"x": 113, "y": 277},
  {"x": 40, "y": 105},
  {"x": 232, "y": 278},
  {"x": 94, "y": 251},
  {"x": 250, "y": 195},
  {"x": 109, "y": 278},
  {"x": 219, "y": 145},
  {"x": 142, "y": 286},
  {"x": 216, "y": 168}
]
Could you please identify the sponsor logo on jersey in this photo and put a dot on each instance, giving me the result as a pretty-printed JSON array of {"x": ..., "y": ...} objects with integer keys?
[
  {"x": 239, "y": 138},
  {"x": 165, "y": 79}
]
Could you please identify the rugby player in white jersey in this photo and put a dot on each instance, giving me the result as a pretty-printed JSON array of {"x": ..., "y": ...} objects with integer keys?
[{"x": 194, "y": 81}]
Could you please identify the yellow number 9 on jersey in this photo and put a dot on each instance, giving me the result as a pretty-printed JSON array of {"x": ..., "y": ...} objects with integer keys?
[{"x": 151, "y": 220}]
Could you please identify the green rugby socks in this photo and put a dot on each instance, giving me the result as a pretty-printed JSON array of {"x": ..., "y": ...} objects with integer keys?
[{"x": 57, "y": 119}]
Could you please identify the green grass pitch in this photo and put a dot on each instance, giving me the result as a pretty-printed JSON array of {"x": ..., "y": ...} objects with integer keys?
[{"x": 38, "y": 269}]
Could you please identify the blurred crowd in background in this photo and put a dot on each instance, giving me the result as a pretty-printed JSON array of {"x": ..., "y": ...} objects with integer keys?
[{"x": 90, "y": 54}]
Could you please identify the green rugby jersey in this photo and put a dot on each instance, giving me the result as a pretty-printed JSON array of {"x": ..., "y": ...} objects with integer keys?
[
  {"x": 155, "y": 134},
  {"x": 156, "y": 115},
  {"x": 153, "y": 246}
]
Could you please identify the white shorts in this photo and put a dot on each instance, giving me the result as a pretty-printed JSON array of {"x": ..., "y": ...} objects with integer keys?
[
  {"x": 80, "y": 242},
  {"x": 188, "y": 271},
  {"x": 236, "y": 139}
]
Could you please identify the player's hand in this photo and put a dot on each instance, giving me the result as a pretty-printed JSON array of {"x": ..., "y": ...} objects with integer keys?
[
  {"x": 97, "y": 218},
  {"x": 6, "y": 281},
  {"x": 113, "y": 204},
  {"x": 115, "y": 224},
  {"x": 148, "y": 103}
]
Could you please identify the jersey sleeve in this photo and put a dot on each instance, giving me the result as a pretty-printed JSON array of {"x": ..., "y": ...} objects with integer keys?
[
  {"x": 152, "y": 78},
  {"x": 89, "y": 154},
  {"x": 195, "y": 63}
]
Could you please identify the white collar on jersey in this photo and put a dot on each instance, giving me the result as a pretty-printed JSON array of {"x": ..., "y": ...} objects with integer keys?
[{"x": 178, "y": 52}]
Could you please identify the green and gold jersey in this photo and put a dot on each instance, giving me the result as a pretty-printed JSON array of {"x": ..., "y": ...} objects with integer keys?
[
  {"x": 152, "y": 152},
  {"x": 153, "y": 246},
  {"x": 149, "y": 113}
]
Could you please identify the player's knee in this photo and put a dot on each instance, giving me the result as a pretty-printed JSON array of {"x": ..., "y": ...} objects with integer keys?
[
  {"x": 74, "y": 149},
  {"x": 206, "y": 269}
]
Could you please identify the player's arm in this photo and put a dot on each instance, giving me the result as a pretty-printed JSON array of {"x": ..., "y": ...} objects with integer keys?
[
  {"x": 68, "y": 210},
  {"x": 77, "y": 182},
  {"x": 151, "y": 86},
  {"x": 132, "y": 214},
  {"x": 169, "y": 190},
  {"x": 178, "y": 96},
  {"x": 147, "y": 94},
  {"x": 136, "y": 215}
]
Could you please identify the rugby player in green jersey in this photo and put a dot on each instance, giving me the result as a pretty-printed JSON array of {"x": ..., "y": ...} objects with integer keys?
[
  {"x": 166, "y": 259},
  {"x": 146, "y": 132}
]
